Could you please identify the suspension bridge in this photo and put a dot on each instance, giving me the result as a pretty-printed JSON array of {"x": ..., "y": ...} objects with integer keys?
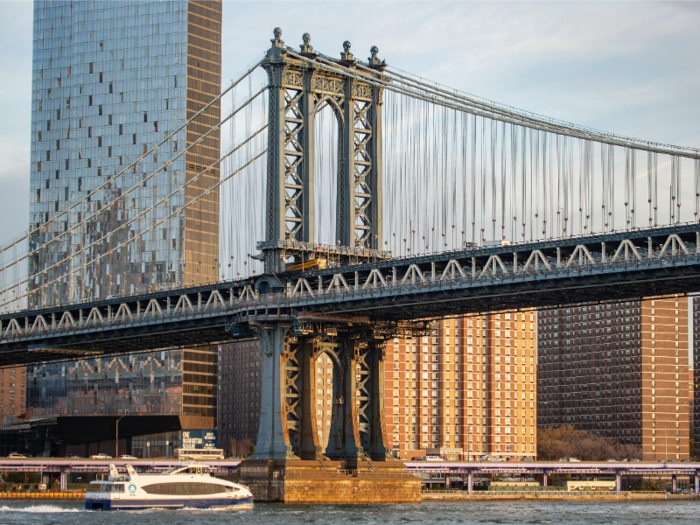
[{"x": 357, "y": 199}]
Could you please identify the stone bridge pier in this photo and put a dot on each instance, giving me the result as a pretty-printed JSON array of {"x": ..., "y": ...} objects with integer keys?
[{"x": 292, "y": 460}]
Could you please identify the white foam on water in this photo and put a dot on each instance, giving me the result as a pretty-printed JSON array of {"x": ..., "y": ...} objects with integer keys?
[
  {"x": 39, "y": 509},
  {"x": 220, "y": 509}
]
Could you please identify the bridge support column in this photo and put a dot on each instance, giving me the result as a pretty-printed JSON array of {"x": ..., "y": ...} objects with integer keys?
[
  {"x": 273, "y": 443},
  {"x": 289, "y": 463},
  {"x": 674, "y": 484},
  {"x": 544, "y": 479},
  {"x": 618, "y": 483},
  {"x": 364, "y": 419},
  {"x": 310, "y": 447},
  {"x": 697, "y": 483},
  {"x": 64, "y": 479},
  {"x": 379, "y": 449},
  {"x": 470, "y": 482},
  {"x": 355, "y": 352}
]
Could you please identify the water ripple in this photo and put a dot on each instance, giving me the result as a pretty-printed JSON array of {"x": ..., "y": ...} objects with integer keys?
[{"x": 462, "y": 513}]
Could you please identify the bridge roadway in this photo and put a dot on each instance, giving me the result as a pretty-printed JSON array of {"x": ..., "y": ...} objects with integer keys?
[
  {"x": 64, "y": 467},
  {"x": 630, "y": 264}
]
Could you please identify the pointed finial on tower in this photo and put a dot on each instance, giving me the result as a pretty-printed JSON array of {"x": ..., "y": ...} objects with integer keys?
[
  {"x": 277, "y": 41},
  {"x": 306, "y": 47},
  {"x": 346, "y": 55}
]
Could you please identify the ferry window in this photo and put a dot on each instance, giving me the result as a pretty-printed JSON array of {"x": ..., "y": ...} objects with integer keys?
[
  {"x": 119, "y": 487},
  {"x": 184, "y": 489}
]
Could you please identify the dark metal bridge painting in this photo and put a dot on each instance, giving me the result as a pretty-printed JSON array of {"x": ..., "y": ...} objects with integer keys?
[{"x": 525, "y": 210}]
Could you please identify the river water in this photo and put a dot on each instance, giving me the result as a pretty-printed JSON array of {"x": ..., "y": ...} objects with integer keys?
[{"x": 517, "y": 513}]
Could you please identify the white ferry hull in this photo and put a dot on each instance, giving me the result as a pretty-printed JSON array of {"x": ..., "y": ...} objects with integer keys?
[
  {"x": 184, "y": 487},
  {"x": 169, "y": 503}
]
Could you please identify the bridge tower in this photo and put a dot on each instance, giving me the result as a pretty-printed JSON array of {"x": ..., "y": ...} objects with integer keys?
[
  {"x": 300, "y": 83},
  {"x": 289, "y": 456}
]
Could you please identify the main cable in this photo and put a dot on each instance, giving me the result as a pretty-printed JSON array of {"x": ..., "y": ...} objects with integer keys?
[
  {"x": 143, "y": 156},
  {"x": 155, "y": 225},
  {"x": 88, "y": 219}
]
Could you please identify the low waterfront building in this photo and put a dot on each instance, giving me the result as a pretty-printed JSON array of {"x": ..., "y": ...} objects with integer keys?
[{"x": 155, "y": 396}]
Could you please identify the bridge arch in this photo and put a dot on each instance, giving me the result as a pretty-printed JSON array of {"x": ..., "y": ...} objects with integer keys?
[{"x": 328, "y": 152}]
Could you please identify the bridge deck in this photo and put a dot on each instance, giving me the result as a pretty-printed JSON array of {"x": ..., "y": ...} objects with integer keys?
[{"x": 624, "y": 265}]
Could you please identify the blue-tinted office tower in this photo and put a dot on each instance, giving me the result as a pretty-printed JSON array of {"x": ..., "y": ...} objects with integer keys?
[{"x": 110, "y": 81}]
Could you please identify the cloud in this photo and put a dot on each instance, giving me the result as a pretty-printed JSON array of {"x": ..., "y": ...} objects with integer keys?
[
  {"x": 15, "y": 115},
  {"x": 626, "y": 67}
]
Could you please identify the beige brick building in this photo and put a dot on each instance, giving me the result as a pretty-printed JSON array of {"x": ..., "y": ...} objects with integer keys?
[
  {"x": 12, "y": 391},
  {"x": 471, "y": 387},
  {"x": 665, "y": 422}
]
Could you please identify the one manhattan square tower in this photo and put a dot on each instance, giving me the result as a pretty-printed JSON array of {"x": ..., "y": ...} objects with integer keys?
[{"x": 110, "y": 81}]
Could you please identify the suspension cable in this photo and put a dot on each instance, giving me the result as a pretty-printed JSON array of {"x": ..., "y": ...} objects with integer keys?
[
  {"x": 140, "y": 234},
  {"x": 231, "y": 85},
  {"x": 127, "y": 223},
  {"x": 88, "y": 219}
]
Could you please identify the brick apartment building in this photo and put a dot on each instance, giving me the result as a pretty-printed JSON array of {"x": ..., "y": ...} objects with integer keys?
[
  {"x": 471, "y": 387},
  {"x": 695, "y": 333},
  {"x": 618, "y": 369},
  {"x": 12, "y": 392},
  {"x": 239, "y": 391}
]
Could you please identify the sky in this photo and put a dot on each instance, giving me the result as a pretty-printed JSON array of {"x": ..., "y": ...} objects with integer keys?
[{"x": 625, "y": 67}]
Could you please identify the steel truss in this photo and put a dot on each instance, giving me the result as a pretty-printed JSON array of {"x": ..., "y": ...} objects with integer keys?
[{"x": 623, "y": 265}]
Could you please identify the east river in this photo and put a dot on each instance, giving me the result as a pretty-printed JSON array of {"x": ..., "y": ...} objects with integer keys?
[
  {"x": 666, "y": 513},
  {"x": 535, "y": 513}
]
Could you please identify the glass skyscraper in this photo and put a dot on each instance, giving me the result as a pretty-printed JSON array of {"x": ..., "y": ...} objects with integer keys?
[
  {"x": 137, "y": 384},
  {"x": 111, "y": 80}
]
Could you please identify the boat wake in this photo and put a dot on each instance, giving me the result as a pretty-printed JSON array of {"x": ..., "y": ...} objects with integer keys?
[
  {"x": 39, "y": 509},
  {"x": 219, "y": 509}
]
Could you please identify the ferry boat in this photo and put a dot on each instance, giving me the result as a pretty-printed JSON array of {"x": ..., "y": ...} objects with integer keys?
[{"x": 185, "y": 486}]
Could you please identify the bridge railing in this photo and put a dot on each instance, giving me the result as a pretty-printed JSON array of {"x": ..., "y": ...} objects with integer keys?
[
  {"x": 412, "y": 276},
  {"x": 448, "y": 282}
]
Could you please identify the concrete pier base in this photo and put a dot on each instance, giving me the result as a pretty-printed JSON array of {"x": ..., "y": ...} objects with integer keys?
[{"x": 344, "y": 482}]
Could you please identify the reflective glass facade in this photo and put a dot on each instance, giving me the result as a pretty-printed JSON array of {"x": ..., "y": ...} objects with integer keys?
[
  {"x": 130, "y": 384},
  {"x": 171, "y": 382},
  {"x": 110, "y": 81},
  {"x": 162, "y": 445}
]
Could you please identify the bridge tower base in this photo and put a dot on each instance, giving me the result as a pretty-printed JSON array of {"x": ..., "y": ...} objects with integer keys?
[
  {"x": 336, "y": 482},
  {"x": 292, "y": 462}
]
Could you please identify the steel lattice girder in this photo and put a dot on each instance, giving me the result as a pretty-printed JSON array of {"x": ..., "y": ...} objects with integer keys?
[{"x": 616, "y": 266}]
